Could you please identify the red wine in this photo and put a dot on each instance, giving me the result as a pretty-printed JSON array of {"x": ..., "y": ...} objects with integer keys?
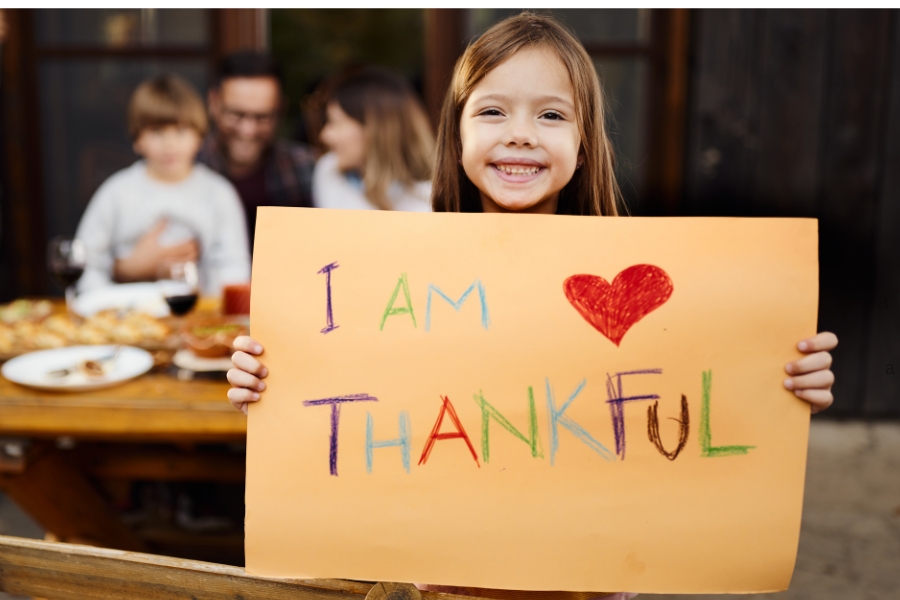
[
  {"x": 181, "y": 305},
  {"x": 68, "y": 275}
]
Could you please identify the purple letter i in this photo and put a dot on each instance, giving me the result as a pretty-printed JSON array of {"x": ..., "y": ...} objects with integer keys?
[{"x": 327, "y": 269}]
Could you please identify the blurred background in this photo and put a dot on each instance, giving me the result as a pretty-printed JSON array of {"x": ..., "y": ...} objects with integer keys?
[
  {"x": 784, "y": 113},
  {"x": 716, "y": 112}
]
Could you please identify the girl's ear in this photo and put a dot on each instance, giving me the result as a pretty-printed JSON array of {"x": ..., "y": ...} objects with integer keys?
[{"x": 580, "y": 161}]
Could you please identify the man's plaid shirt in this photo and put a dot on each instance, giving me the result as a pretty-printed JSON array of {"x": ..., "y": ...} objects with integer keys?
[{"x": 288, "y": 169}]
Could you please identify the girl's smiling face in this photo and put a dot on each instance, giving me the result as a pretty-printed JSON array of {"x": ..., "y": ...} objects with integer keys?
[
  {"x": 346, "y": 137},
  {"x": 520, "y": 140}
]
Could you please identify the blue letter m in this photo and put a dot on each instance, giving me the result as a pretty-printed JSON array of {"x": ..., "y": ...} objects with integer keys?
[{"x": 485, "y": 317}]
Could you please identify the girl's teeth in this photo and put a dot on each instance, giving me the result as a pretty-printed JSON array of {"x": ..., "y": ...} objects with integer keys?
[{"x": 518, "y": 170}]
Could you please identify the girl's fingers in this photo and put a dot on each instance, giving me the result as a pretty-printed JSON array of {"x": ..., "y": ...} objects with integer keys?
[
  {"x": 814, "y": 362},
  {"x": 815, "y": 380},
  {"x": 242, "y": 379},
  {"x": 821, "y": 341},
  {"x": 240, "y": 397},
  {"x": 245, "y": 362},
  {"x": 819, "y": 400},
  {"x": 247, "y": 344}
]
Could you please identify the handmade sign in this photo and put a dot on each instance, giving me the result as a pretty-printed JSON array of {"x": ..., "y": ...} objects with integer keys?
[{"x": 529, "y": 402}]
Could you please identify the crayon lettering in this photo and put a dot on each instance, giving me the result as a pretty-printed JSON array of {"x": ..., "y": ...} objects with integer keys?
[
  {"x": 558, "y": 418},
  {"x": 653, "y": 428},
  {"x": 329, "y": 317},
  {"x": 335, "y": 421},
  {"x": 390, "y": 311},
  {"x": 485, "y": 317},
  {"x": 617, "y": 401},
  {"x": 707, "y": 450},
  {"x": 402, "y": 442},
  {"x": 446, "y": 409},
  {"x": 488, "y": 412}
]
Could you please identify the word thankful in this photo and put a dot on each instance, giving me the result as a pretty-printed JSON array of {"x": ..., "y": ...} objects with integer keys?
[{"x": 556, "y": 417}]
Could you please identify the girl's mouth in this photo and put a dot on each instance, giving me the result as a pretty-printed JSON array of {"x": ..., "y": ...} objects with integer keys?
[{"x": 517, "y": 173}]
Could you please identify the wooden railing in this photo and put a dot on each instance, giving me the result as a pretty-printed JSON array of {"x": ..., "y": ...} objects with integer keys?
[{"x": 58, "y": 571}]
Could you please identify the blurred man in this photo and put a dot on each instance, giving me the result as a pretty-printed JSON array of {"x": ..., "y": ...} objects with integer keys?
[{"x": 245, "y": 102}]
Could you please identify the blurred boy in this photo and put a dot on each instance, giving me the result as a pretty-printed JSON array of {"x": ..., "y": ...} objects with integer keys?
[{"x": 165, "y": 207}]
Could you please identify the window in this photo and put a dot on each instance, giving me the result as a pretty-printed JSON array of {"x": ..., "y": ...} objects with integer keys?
[{"x": 88, "y": 63}]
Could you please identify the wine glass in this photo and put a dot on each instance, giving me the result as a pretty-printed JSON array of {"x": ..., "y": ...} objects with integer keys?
[
  {"x": 66, "y": 260},
  {"x": 179, "y": 283}
]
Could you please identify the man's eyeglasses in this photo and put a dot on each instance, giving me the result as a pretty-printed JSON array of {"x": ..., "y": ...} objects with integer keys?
[{"x": 233, "y": 117}]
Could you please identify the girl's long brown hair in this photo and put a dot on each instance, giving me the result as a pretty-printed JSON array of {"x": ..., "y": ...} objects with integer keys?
[
  {"x": 593, "y": 189},
  {"x": 398, "y": 135}
]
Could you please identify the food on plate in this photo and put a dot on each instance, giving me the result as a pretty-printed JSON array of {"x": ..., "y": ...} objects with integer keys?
[
  {"x": 93, "y": 368},
  {"x": 88, "y": 334},
  {"x": 25, "y": 310},
  {"x": 27, "y": 325},
  {"x": 47, "y": 339},
  {"x": 62, "y": 325},
  {"x": 7, "y": 339},
  {"x": 212, "y": 337}
]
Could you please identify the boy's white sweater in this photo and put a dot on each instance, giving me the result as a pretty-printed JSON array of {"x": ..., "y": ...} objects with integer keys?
[{"x": 204, "y": 206}]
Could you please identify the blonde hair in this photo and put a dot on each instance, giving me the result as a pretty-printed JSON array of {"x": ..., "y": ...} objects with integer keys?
[
  {"x": 165, "y": 100},
  {"x": 399, "y": 142},
  {"x": 593, "y": 189}
]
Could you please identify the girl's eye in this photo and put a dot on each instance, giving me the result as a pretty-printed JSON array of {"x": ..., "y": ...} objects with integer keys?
[
  {"x": 553, "y": 116},
  {"x": 490, "y": 112}
]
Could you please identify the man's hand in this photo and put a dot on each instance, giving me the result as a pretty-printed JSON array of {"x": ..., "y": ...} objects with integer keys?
[{"x": 145, "y": 259}]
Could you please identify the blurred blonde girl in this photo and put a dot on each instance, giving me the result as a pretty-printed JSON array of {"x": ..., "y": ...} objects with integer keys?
[{"x": 380, "y": 145}]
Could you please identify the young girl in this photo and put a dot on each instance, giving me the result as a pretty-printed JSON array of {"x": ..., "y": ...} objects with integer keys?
[
  {"x": 522, "y": 130},
  {"x": 380, "y": 145}
]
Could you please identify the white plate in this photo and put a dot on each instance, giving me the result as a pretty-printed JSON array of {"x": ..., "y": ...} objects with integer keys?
[
  {"x": 185, "y": 359},
  {"x": 144, "y": 297},
  {"x": 31, "y": 369}
]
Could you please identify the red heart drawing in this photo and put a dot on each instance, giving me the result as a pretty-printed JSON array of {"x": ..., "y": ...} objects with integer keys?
[{"x": 613, "y": 309}]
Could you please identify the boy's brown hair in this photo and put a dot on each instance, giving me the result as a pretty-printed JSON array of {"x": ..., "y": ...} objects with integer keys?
[
  {"x": 165, "y": 100},
  {"x": 593, "y": 189}
]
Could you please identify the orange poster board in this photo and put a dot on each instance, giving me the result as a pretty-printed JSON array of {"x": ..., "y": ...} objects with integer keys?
[{"x": 529, "y": 402}]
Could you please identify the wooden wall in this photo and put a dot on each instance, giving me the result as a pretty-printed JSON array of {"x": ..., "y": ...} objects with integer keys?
[{"x": 797, "y": 113}]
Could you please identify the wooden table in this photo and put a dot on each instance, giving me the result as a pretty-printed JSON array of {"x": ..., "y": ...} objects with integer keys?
[{"x": 54, "y": 445}]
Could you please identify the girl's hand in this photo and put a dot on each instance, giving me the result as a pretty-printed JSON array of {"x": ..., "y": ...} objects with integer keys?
[
  {"x": 811, "y": 377},
  {"x": 247, "y": 375}
]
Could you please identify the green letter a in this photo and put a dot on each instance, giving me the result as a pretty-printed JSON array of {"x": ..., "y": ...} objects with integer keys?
[{"x": 390, "y": 311}]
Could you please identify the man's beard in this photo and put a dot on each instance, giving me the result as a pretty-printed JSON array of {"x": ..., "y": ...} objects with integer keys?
[{"x": 244, "y": 153}]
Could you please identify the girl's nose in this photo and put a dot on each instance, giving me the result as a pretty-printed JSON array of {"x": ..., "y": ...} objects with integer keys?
[
  {"x": 520, "y": 132},
  {"x": 325, "y": 135}
]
